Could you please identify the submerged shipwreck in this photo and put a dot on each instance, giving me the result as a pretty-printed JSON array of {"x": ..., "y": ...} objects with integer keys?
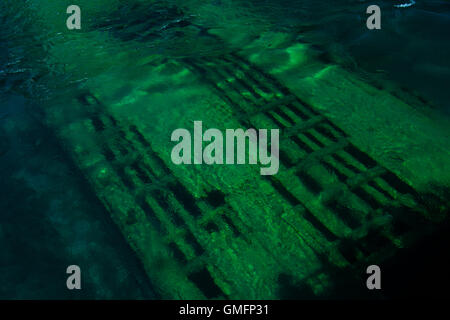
[{"x": 364, "y": 171}]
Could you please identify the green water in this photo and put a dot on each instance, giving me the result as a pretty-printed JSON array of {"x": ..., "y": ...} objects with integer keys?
[{"x": 143, "y": 61}]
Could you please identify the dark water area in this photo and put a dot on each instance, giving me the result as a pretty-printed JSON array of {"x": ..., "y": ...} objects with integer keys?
[{"x": 49, "y": 219}]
